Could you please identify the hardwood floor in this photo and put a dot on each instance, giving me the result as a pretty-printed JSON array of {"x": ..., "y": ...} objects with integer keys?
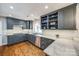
[
  {"x": 21, "y": 49},
  {"x": 1, "y": 50}
]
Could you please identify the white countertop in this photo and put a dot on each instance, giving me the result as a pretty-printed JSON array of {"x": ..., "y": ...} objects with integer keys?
[
  {"x": 61, "y": 47},
  {"x": 47, "y": 35},
  {"x": 12, "y": 32}
]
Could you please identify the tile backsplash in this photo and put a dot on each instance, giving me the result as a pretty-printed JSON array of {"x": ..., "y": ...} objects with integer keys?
[{"x": 62, "y": 33}]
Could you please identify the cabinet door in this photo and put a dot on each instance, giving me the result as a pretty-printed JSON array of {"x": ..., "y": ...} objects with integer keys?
[
  {"x": 23, "y": 23},
  {"x": 27, "y": 25},
  {"x": 10, "y": 24},
  {"x": 31, "y": 24},
  {"x": 32, "y": 38},
  {"x": 60, "y": 19},
  {"x": 16, "y": 22},
  {"x": 26, "y": 36}
]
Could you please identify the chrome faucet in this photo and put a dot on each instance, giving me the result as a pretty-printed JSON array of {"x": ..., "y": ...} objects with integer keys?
[{"x": 57, "y": 35}]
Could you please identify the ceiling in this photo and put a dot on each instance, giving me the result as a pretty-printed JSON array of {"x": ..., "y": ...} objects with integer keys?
[{"x": 29, "y": 10}]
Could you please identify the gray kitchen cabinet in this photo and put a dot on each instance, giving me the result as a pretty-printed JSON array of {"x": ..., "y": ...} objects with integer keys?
[
  {"x": 31, "y": 26},
  {"x": 62, "y": 19},
  {"x": 16, "y": 38},
  {"x": 27, "y": 36},
  {"x": 27, "y": 25},
  {"x": 11, "y": 22},
  {"x": 24, "y": 24},
  {"x": 45, "y": 42},
  {"x": 31, "y": 38}
]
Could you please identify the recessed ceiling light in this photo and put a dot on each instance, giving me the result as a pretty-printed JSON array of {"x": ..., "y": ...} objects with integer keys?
[
  {"x": 11, "y": 7},
  {"x": 10, "y": 15},
  {"x": 46, "y": 7},
  {"x": 32, "y": 15}
]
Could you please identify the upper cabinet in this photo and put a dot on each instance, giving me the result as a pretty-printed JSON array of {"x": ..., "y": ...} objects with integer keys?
[
  {"x": 13, "y": 22},
  {"x": 53, "y": 21},
  {"x": 44, "y": 22},
  {"x": 63, "y": 18},
  {"x": 50, "y": 21}
]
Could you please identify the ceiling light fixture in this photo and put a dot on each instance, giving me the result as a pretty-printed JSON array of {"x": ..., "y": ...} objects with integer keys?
[
  {"x": 46, "y": 7},
  {"x": 10, "y": 15},
  {"x": 32, "y": 15},
  {"x": 11, "y": 7}
]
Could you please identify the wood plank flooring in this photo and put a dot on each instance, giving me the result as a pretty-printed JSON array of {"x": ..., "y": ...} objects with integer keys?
[{"x": 21, "y": 49}]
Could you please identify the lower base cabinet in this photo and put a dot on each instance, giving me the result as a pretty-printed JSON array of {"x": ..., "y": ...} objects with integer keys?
[
  {"x": 40, "y": 42},
  {"x": 12, "y": 39},
  {"x": 31, "y": 38}
]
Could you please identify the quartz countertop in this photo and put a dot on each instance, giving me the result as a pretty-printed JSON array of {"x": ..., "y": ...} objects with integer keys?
[
  {"x": 61, "y": 47},
  {"x": 13, "y": 32}
]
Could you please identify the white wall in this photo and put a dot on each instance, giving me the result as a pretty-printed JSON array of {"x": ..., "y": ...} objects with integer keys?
[
  {"x": 1, "y": 32},
  {"x": 68, "y": 34},
  {"x": 3, "y": 38},
  {"x": 77, "y": 16}
]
